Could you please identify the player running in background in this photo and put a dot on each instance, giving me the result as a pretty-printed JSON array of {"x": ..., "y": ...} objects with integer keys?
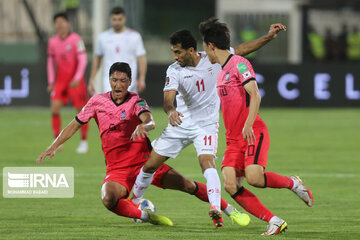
[
  {"x": 247, "y": 137},
  {"x": 124, "y": 121},
  {"x": 192, "y": 80},
  {"x": 119, "y": 44},
  {"x": 66, "y": 65}
]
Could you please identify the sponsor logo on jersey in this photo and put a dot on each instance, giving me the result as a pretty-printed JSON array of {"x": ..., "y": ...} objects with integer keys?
[
  {"x": 123, "y": 115},
  {"x": 242, "y": 68},
  {"x": 189, "y": 76},
  {"x": 141, "y": 103}
]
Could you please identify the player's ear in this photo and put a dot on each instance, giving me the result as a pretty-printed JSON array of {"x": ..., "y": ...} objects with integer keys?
[{"x": 211, "y": 46}]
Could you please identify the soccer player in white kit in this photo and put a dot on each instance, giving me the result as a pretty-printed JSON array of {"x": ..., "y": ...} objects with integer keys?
[
  {"x": 119, "y": 44},
  {"x": 192, "y": 80}
]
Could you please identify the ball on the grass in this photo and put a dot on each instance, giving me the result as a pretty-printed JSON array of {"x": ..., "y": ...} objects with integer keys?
[{"x": 145, "y": 204}]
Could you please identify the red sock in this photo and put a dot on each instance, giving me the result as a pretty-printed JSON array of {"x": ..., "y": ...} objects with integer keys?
[
  {"x": 56, "y": 124},
  {"x": 84, "y": 131},
  {"x": 252, "y": 204},
  {"x": 126, "y": 209},
  {"x": 274, "y": 180},
  {"x": 201, "y": 193}
]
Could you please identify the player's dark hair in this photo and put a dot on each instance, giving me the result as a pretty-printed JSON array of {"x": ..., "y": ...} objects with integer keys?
[
  {"x": 62, "y": 15},
  {"x": 215, "y": 32},
  {"x": 117, "y": 10},
  {"x": 185, "y": 38},
  {"x": 120, "y": 67}
]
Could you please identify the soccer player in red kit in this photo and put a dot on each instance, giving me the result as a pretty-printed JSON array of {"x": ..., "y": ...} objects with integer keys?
[
  {"x": 124, "y": 120},
  {"x": 66, "y": 65},
  {"x": 247, "y": 137}
]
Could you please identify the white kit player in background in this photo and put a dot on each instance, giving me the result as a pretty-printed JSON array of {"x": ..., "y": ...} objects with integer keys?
[
  {"x": 119, "y": 44},
  {"x": 192, "y": 80}
]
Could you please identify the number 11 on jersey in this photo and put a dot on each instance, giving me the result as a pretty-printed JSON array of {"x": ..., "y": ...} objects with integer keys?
[
  {"x": 207, "y": 139},
  {"x": 200, "y": 84}
]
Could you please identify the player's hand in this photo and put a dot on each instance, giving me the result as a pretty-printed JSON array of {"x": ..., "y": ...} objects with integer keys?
[
  {"x": 174, "y": 118},
  {"x": 91, "y": 88},
  {"x": 49, "y": 88},
  {"x": 74, "y": 83},
  {"x": 248, "y": 134},
  {"x": 275, "y": 29},
  {"x": 139, "y": 132},
  {"x": 141, "y": 85},
  {"x": 49, "y": 152}
]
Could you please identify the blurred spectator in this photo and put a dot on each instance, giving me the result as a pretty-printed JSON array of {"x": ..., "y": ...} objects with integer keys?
[
  {"x": 330, "y": 45},
  {"x": 342, "y": 45},
  {"x": 316, "y": 44},
  {"x": 353, "y": 42}
]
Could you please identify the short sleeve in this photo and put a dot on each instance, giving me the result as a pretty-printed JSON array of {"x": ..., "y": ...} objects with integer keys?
[
  {"x": 140, "y": 107},
  {"x": 87, "y": 112},
  {"x": 245, "y": 71},
  {"x": 140, "y": 50},
  {"x": 99, "y": 51},
  {"x": 171, "y": 80}
]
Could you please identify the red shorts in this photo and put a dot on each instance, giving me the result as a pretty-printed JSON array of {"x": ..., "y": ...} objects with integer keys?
[
  {"x": 127, "y": 177},
  {"x": 62, "y": 91},
  {"x": 239, "y": 154}
]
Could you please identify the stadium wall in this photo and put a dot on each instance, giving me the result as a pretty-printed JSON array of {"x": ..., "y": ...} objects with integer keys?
[{"x": 307, "y": 85}]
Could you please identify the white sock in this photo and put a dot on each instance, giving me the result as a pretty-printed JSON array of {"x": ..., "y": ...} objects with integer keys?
[
  {"x": 274, "y": 219},
  {"x": 213, "y": 186},
  {"x": 143, "y": 180},
  {"x": 229, "y": 209}
]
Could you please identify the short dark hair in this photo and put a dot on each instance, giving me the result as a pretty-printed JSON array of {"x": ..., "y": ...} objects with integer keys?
[
  {"x": 117, "y": 10},
  {"x": 62, "y": 15},
  {"x": 185, "y": 38},
  {"x": 120, "y": 67},
  {"x": 215, "y": 32}
]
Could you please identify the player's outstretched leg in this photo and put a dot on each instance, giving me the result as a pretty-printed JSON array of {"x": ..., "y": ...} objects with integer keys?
[{"x": 302, "y": 191}]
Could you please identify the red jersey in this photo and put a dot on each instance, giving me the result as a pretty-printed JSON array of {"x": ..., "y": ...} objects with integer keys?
[
  {"x": 116, "y": 123},
  {"x": 236, "y": 72},
  {"x": 69, "y": 57}
]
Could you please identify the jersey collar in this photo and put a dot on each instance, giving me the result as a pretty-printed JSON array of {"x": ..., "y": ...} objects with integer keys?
[
  {"x": 227, "y": 60},
  {"x": 118, "y": 104}
]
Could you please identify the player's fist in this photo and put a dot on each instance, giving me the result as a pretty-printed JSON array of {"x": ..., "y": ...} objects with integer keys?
[
  {"x": 49, "y": 88},
  {"x": 74, "y": 83},
  {"x": 174, "y": 118},
  {"x": 275, "y": 29},
  {"x": 91, "y": 88},
  {"x": 248, "y": 135}
]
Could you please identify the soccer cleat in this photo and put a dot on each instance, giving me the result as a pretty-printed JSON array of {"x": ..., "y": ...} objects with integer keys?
[
  {"x": 240, "y": 218},
  {"x": 83, "y": 147},
  {"x": 216, "y": 217},
  {"x": 302, "y": 191},
  {"x": 158, "y": 220},
  {"x": 275, "y": 228}
]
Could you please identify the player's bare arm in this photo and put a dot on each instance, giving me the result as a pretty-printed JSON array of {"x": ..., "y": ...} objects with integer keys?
[
  {"x": 142, "y": 63},
  {"x": 94, "y": 70},
  {"x": 142, "y": 130},
  {"x": 255, "y": 99},
  {"x": 170, "y": 110},
  {"x": 249, "y": 47},
  {"x": 65, "y": 134}
]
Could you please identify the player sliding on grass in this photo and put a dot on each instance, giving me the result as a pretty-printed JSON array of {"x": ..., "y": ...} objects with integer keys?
[
  {"x": 192, "y": 80},
  {"x": 124, "y": 121},
  {"x": 247, "y": 137}
]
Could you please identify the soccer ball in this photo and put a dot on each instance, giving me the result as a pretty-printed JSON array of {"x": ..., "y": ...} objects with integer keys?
[{"x": 145, "y": 204}]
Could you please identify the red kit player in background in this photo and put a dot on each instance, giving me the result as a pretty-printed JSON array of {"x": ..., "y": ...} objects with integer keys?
[
  {"x": 247, "y": 137},
  {"x": 66, "y": 65}
]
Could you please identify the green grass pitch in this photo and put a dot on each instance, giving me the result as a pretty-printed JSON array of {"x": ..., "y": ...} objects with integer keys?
[{"x": 320, "y": 145}]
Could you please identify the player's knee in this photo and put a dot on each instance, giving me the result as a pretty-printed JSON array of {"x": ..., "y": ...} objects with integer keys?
[
  {"x": 188, "y": 186},
  {"x": 149, "y": 168},
  {"x": 255, "y": 180},
  {"x": 109, "y": 201},
  {"x": 230, "y": 188}
]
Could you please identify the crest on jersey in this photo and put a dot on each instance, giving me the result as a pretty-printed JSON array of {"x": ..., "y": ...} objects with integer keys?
[
  {"x": 68, "y": 47},
  {"x": 167, "y": 81},
  {"x": 123, "y": 115},
  {"x": 227, "y": 78},
  {"x": 246, "y": 74},
  {"x": 210, "y": 69}
]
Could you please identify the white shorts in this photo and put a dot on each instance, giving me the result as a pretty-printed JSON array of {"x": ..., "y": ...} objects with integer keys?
[{"x": 174, "y": 139}]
